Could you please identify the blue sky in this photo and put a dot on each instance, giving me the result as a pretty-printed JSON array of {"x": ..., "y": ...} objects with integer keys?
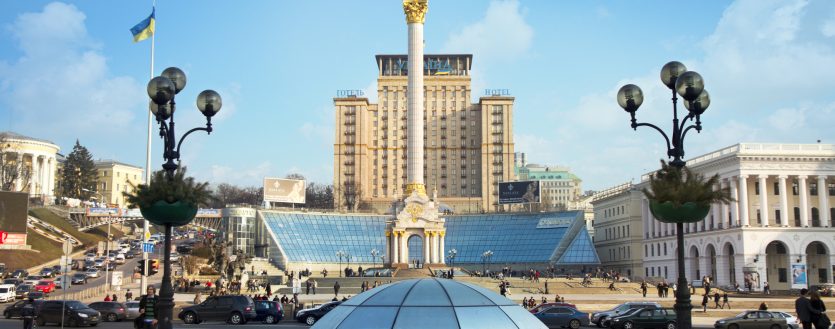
[{"x": 70, "y": 70}]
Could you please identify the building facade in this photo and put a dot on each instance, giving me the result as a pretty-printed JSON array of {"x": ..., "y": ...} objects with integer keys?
[
  {"x": 114, "y": 178},
  {"x": 559, "y": 186},
  {"x": 38, "y": 165},
  {"x": 468, "y": 147},
  {"x": 584, "y": 204},
  {"x": 617, "y": 229}
]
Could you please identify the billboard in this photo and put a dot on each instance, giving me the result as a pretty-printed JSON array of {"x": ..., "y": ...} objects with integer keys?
[
  {"x": 283, "y": 190},
  {"x": 800, "y": 279},
  {"x": 208, "y": 213},
  {"x": 519, "y": 192},
  {"x": 104, "y": 212},
  {"x": 14, "y": 208}
]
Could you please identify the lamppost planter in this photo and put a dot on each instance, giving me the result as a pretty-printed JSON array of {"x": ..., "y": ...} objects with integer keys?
[
  {"x": 176, "y": 214},
  {"x": 688, "y": 212}
]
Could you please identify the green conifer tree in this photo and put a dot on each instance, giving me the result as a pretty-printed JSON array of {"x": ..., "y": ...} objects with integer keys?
[{"x": 78, "y": 179}]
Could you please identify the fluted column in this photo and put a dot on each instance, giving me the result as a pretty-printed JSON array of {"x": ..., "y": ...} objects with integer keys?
[
  {"x": 427, "y": 246},
  {"x": 415, "y": 11},
  {"x": 763, "y": 201},
  {"x": 442, "y": 247},
  {"x": 784, "y": 201},
  {"x": 388, "y": 250},
  {"x": 724, "y": 208},
  {"x": 404, "y": 247},
  {"x": 716, "y": 209},
  {"x": 823, "y": 201},
  {"x": 743, "y": 200},
  {"x": 734, "y": 203},
  {"x": 804, "y": 201},
  {"x": 33, "y": 178},
  {"x": 645, "y": 217},
  {"x": 395, "y": 240}
]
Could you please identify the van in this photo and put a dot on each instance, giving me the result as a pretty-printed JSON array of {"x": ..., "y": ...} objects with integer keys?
[{"x": 7, "y": 293}]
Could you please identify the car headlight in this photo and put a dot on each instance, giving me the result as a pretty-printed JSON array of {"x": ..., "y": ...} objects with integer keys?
[
  {"x": 82, "y": 315},
  {"x": 720, "y": 321},
  {"x": 616, "y": 320}
]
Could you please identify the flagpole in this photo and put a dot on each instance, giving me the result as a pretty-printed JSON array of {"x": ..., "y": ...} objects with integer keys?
[{"x": 144, "y": 282}]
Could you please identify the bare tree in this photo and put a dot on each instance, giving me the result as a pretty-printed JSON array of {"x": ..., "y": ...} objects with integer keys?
[
  {"x": 13, "y": 169},
  {"x": 351, "y": 194}
]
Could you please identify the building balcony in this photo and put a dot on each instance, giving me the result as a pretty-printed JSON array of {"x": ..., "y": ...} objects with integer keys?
[
  {"x": 464, "y": 176},
  {"x": 443, "y": 136},
  {"x": 443, "y": 118},
  {"x": 497, "y": 172},
  {"x": 443, "y": 176},
  {"x": 384, "y": 165},
  {"x": 350, "y": 123},
  {"x": 350, "y": 113},
  {"x": 349, "y": 173},
  {"x": 350, "y": 142},
  {"x": 443, "y": 127},
  {"x": 349, "y": 162},
  {"x": 443, "y": 156},
  {"x": 496, "y": 122},
  {"x": 350, "y": 152},
  {"x": 385, "y": 156},
  {"x": 463, "y": 166},
  {"x": 498, "y": 142},
  {"x": 497, "y": 163},
  {"x": 497, "y": 132}
]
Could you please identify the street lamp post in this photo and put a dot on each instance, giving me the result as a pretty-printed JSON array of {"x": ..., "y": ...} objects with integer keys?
[
  {"x": 485, "y": 260},
  {"x": 451, "y": 256},
  {"x": 106, "y": 247},
  {"x": 162, "y": 90},
  {"x": 690, "y": 86},
  {"x": 340, "y": 254},
  {"x": 374, "y": 254}
]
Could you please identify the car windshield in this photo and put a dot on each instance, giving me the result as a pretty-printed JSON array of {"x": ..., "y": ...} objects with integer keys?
[
  {"x": 25, "y": 287},
  {"x": 78, "y": 276},
  {"x": 43, "y": 283},
  {"x": 743, "y": 314},
  {"x": 4, "y": 290},
  {"x": 75, "y": 305}
]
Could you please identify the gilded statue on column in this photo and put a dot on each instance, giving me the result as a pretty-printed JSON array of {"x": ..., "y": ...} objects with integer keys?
[{"x": 415, "y": 10}]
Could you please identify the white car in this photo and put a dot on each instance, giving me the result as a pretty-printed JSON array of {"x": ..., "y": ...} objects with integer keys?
[
  {"x": 92, "y": 273},
  {"x": 120, "y": 258},
  {"x": 175, "y": 257},
  {"x": 90, "y": 257},
  {"x": 791, "y": 320},
  {"x": 7, "y": 292}
]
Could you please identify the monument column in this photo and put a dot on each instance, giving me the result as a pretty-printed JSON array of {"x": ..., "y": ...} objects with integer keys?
[
  {"x": 743, "y": 200},
  {"x": 784, "y": 201},
  {"x": 823, "y": 201},
  {"x": 763, "y": 200},
  {"x": 441, "y": 250},
  {"x": 734, "y": 204},
  {"x": 395, "y": 256},
  {"x": 427, "y": 244},
  {"x": 415, "y": 11},
  {"x": 804, "y": 201}
]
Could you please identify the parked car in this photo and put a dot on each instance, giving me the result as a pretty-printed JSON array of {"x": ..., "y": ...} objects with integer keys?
[
  {"x": 601, "y": 318},
  {"x": 269, "y": 312},
  {"x": 184, "y": 249},
  {"x": 75, "y": 313},
  {"x": 562, "y": 316},
  {"x": 92, "y": 273},
  {"x": 792, "y": 321},
  {"x": 59, "y": 282},
  {"x": 19, "y": 274},
  {"x": 130, "y": 254},
  {"x": 32, "y": 279},
  {"x": 88, "y": 264},
  {"x": 13, "y": 281},
  {"x": 543, "y": 306},
  {"x": 752, "y": 319},
  {"x": 110, "y": 311},
  {"x": 311, "y": 315},
  {"x": 7, "y": 293},
  {"x": 120, "y": 259},
  {"x": 35, "y": 295},
  {"x": 47, "y": 272},
  {"x": 234, "y": 309},
  {"x": 132, "y": 309},
  {"x": 98, "y": 263},
  {"x": 13, "y": 311},
  {"x": 79, "y": 278},
  {"x": 23, "y": 290},
  {"x": 90, "y": 257},
  {"x": 646, "y": 318},
  {"x": 56, "y": 269},
  {"x": 45, "y": 286}
]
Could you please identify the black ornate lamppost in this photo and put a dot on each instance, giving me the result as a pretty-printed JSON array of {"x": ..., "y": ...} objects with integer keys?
[
  {"x": 451, "y": 256},
  {"x": 485, "y": 259},
  {"x": 341, "y": 254},
  {"x": 162, "y": 90},
  {"x": 374, "y": 254},
  {"x": 690, "y": 86}
]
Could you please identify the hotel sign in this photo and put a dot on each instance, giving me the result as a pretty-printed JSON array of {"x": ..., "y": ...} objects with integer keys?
[
  {"x": 553, "y": 222},
  {"x": 434, "y": 66},
  {"x": 496, "y": 92},
  {"x": 350, "y": 93}
]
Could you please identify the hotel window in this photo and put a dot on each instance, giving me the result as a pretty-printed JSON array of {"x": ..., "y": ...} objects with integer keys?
[{"x": 776, "y": 188}]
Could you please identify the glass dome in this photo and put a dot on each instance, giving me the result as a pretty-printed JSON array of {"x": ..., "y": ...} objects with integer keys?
[{"x": 429, "y": 303}]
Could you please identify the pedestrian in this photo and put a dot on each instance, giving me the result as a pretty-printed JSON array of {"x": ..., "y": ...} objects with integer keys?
[
  {"x": 819, "y": 319},
  {"x": 716, "y": 299},
  {"x": 307, "y": 285},
  {"x": 644, "y": 288},
  {"x": 107, "y": 298},
  {"x": 336, "y": 288},
  {"x": 128, "y": 296},
  {"x": 766, "y": 288},
  {"x": 546, "y": 287},
  {"x": 197, "y": 299},
  {"x": 270, "y": 289},
  {"x": 804, "y": 310},
  {"x": 148, "y": 309},
  {"x": 28, "y": 314},
  {"x": 315, "y": 284},
  {"x": 704, "y": 303},
  {"x": 364, "y": 286},
  {"x": 763, "y": 307},
  {"x": 115, "y": 298},
  {"x": 725, "y": 301}
]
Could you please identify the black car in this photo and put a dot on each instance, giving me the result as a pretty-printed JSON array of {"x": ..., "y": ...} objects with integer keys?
[
  {"x": 13, "y": 311},
  {"x": 13, "y": 281},
  {"x": 56, "y": 269},
  {"x": 47, "y": 272},
  {"x": 130, "y": 254},
  {"x": 111, "y": 311},
  {"x": 79, "y": 278},
  {"x": 269, "y": 312},
  {"x": 19, "y": 274},
  {"x": 234, "y": 309},
  {"x": 184, "y": 249},
  {"x": 88, "y": 264},
  {"x": 311, "y": 315},
  {"x": 22, "y": 291},
  {"x": 75, "y": 313}
]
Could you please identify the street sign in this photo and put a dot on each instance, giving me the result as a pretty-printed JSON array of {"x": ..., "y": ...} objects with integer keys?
[
  {"x": 147, "y": 235},
  {"x": 147, "y": 247}
]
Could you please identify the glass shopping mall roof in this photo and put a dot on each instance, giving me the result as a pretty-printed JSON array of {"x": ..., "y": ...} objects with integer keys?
[
  {"x": 512, "y": 237},
  {"x": 429, "y": 303}
]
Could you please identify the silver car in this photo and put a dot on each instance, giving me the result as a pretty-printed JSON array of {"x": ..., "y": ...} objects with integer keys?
[
  {"x": 92, "y": 273},
  {"x": 132, "y": 310},
  {"x": 791, "y": 320}
]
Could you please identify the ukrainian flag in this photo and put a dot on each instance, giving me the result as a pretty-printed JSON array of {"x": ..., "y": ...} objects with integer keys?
[{"x": 145, "y": 28}]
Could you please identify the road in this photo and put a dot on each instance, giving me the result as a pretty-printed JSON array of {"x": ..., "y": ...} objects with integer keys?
[{"x": 286, "y": 324}]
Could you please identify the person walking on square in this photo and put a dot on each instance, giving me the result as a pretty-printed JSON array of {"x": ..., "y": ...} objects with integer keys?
[
  {"x": 716, "y": 299},
  {"x": 315, "y": 284},
  {"x": 644, "y": 288},
  {"x": 307, "y": 287},
  {"x": 704, "y": 302},
  {"x": 819, "y": 319},
  {"x": 128, "y": 296},
  {"x": 336, "y": 288},
  {"x": 803, "y": 308},
  {"x": 766, "y": 288},
  {"x": 725, "y": 301}
]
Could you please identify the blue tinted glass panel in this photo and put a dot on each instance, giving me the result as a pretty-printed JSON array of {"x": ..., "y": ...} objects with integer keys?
[
  {"x": 489, "y": 317},
  {"x": 427, "y": 292},
  {"x": 415, "y": 248},
  {"x": 391, "y": 296},
  {"x": 426, "y": 317},
  {"x": 463, "y": 296},
  {"x": 370, "y": 318},
  {"x": 581, "y": 250},
  {"x": 334, "y": 317},
  {"x": 523, "y": 318}
]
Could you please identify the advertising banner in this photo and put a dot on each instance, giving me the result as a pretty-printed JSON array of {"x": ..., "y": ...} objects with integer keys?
[
  {"x": 131, "y": 212},
  {"x": 519, "y": 192},
  {"x": 13, "y": 213},
  {"x": 116, "y": 279},
  {"x": 208, "y": 213},
  {"x": 799, "y": 278},
  {"x": 104, "y": 212},
  {"x": 284, "y": 190}
]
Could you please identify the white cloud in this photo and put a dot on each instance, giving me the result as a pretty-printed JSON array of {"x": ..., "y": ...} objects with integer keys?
[
  {"x": 250, "y": 175},
  {"x": 788, "y": 119},
  {"x": 501, "y": 35},
  {"x": 62, "y": 79}
]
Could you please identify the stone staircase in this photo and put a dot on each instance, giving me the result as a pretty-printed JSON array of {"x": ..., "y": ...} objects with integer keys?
[
  {"x": 262, "y": 264},
  {"x": 413, "y": 273}
]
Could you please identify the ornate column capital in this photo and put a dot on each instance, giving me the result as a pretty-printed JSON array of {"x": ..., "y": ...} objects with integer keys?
[
  {"x": 743, "y": 176},
  {"x": 388, "y": 234},
  {"x": 415, "y": 10},
  {"x": 802, "y": 177},
  {"x": 783, "y": 177},
  {"x": 442, "y": 233},
  {"x": 822, "y": 177},
  {"x": 762, "y": 177}
]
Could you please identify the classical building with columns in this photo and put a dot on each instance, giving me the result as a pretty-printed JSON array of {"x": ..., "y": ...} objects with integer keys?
[
  {"x": 779, "y": 229},
  {"x": 39, "y": 159}
]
